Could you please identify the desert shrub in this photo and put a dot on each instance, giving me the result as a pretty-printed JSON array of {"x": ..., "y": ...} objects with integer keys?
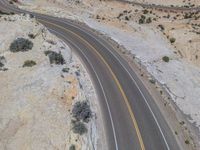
[
  {"x": 32, "y": 36},
  {"x": 79, "y": 128},
  {"x": 3, "y": 13},
  {"x": 145, "y": 11},
  {"x": 187, "y": 142},
  {"x": 98, "y": 17},
  {"x": 120, "y": 15},
  {"x": 127, "y": 18},
  {"x": 55, "y": 58},
  {"x": 152, "y": 81},
  {"x": 172, "y": 40},
  {"x": 51, "y": 42},
  {"x": 165, "y": 59},
  {"x": 2, "y": 61},
  {"x": 65, "y": 70},
  {"x": 148, "y": 20},
  {"x": 21, "y": 44},
  {"x": 29, "y": 63},
  {"x": 1, "y": 64},
  {"x": 142, "y": 19},
  {"x": 72, "y": 147},
  {"x": 161, "y": 27},
  {"x": 82, "y": 111}
]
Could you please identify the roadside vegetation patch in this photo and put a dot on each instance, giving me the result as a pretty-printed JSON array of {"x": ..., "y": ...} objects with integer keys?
[
  {"x": 21, "y": 45},
  {"x": 72, "y": 147},
  {"x": 29, "y": 63},
  {"x": 3, "y": 13},
  {"x": 66, "y": 70},
  {"x": 187, "y": 142},
  {"x": 79, "y": 128},
  {"x": 172, "y": 40},
  {"x": 2, "y": 61},
  {"x": 81, "y": 111},
  {"x": 55, "y": 58},
  {"x": 165, "y": 59}
]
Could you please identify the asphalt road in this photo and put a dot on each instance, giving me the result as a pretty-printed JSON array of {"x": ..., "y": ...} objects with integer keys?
[{"x": 132, "y": 120}]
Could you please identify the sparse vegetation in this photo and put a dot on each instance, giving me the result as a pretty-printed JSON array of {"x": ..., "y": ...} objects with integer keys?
[
  {"x": 182, "y": 123},
  {"x": 142, "y": 19},
  {"x": 82, "y": 111},
  {"x": 1, "y": 64},
  {"x": 21, "y": 45},
  {"x": 145, "y": 11},
  {"x": 152, "y": 81},
  {"x": 29, "y": 63},
  {"x": 126, "y": 18},
  {"x": 161, "y": 27},
  {"x": 165, "y": 59},
  {"x": 148, "y": 20},
  {"x": 55, "y": 58},
  {"x": 32, "y": 36},
  {"x": 51, "y": 42},
  {"x": 172, "y": 40},
  {"x": 3, "y": 13},
  {"x": 2, "y": 61},
  {"x": 187, "y": 142},
  {"x": 79, "y": 128},
  {"x": 65, "y": 70},
  {"x": 72, "y": 147}
]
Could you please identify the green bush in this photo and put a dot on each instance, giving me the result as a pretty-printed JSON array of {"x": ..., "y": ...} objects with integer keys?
[
  {"x": 187, "y": 142},
  {"x": 29, "y": 63},
  {"x": 72, "y": 147},
  {"x": 172, "y": 40},
  {"x": 65, "y": 70},
  {"x": 21, "y": 44},
  {"x": 165, "y": 59},
  {"x": 79, "y": 128},
  {"x": 55, "y": 58}
]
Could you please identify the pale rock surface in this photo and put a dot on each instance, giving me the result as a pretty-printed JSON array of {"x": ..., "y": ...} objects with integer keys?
[{"x": 36, "y": 102}]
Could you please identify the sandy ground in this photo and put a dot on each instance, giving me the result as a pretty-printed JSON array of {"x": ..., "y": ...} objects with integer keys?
[
  {"x": 148, "y": 35},
  {"x": 36, "y": 102}
]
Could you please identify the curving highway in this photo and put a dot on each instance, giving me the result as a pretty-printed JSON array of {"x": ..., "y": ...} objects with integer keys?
[{"x": 131, "y": 119}]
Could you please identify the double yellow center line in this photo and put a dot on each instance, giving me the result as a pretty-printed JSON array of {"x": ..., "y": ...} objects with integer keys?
[{"x": 115, "y": 79}]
